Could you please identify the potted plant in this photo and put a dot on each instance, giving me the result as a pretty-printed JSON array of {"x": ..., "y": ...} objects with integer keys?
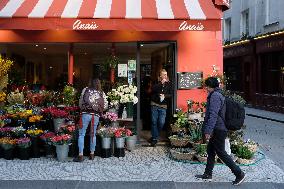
[
  {"x": 201, "y": 152},
  {"x": 131, "y": 141},
  {"x": 62, "y": 142},
  {"x": 69, "y": 95},
  {"x": 180, "y": 140},
  {"x": 106, "y": 133},
  {"x": 195, "y": 131},
  {"x": 48, "y": 147},
  {"x": 180, "y": 123},
  {"x": 23, "y": 145},
  {"x": 243, "y": 153},
  {"x": 58, "y": 116},
  {"x": 8, "y": 145},
  {"x": 120, "y": 134},
  {"x": 18, "y": 132},
  {"x": 35, "y": 147}
]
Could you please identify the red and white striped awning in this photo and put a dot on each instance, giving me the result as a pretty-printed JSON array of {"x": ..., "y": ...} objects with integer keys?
[{"x": 156, "y": 15}]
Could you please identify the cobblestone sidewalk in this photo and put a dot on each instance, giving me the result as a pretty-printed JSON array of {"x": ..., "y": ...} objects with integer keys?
[{"x": 142, "y": 164}]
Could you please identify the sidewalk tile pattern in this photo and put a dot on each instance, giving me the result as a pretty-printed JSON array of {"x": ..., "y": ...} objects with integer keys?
[{"x": 142, "y": 164}]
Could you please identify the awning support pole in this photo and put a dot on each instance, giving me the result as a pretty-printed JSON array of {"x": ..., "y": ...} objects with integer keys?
[{"x": 70, "y": 64}]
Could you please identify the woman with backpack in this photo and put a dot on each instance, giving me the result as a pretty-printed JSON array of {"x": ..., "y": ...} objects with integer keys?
[
  {"x": 92, "y": 104},
  {"x": 215, "y": 132}
]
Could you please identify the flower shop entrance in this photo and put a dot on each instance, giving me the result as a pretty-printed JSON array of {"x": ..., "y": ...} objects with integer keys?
[{"x": 163, "y": 57}]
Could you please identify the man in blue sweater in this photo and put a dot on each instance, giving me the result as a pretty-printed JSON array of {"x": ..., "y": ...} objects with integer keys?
[{"x": 215, "y": 132}]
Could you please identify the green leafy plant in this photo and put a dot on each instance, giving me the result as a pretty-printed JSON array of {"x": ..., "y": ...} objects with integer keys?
[
  {"x": 242, "y": 151},
  {"x": 201, "y": 149},
  {"x": 195, "y": 132},
  {"x": 69, "y": 95},
  {"x": 180, "y": 118}
]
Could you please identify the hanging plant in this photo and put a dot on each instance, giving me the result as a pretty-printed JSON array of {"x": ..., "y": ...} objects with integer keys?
[{"x": 111, "y": 62}]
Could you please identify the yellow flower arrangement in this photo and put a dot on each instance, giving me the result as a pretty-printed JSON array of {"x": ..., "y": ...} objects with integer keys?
[
  {"x": 35, "y": 118},
  {"x": 2, "y": 96},
  {"x": 34, "y": 132},
  {"x": 22, "y": 115},
  {"x": 7, "y": 142},
  {"x": 5, "y": 66}
]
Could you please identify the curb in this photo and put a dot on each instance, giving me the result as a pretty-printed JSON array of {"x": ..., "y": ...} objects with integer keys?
[{"x": 267, "y": 118}]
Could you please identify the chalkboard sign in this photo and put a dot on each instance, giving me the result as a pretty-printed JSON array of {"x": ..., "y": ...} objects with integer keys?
[{"x": 189, "y": 80}]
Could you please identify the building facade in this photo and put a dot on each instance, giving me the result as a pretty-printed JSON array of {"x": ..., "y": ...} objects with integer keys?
[
  {"x": 253, "y": 38},
  {"x": 190, "y": 29}
]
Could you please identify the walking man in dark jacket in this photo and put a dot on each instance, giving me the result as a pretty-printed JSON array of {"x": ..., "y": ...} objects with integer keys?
[{"x": 215, "y": 132}]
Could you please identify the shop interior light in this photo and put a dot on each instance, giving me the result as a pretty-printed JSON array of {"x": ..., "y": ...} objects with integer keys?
[
  {"x": 44, "y": 48},
  {"x": 36, "y": 45}
]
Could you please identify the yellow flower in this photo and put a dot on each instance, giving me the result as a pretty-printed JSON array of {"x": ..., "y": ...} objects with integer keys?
[
  {"x": 35, "y": 118},
  {"x": 5, "y": 65},
  {"x": 2, "y": 96}
]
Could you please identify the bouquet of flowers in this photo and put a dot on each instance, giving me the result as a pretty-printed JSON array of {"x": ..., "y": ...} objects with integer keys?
[
  {"x": 127, "y": 94},
  {"x": 35, "y": 118},
  {"x": 46, "y": 136},
  {"x": 67, "y": 129},
  {"x": 34, "y": 132},
  {"x": 122, "y": 132},
  {"x": 61, "y": 139},
  {"x": 16, "y": 97},
  {"x": 18, "y": 131},
  {"x": 106, "y": 132},
  {"x": 55, "y": 112},
  {"x": 110, "y": 116},
  {"x": 36, "y": 98},
  {"x": 6, "y": 131},
  {"x": 24, "y": 142},
  {"x": 114, "y": 97},
  {"x": 7, "y": 143}
]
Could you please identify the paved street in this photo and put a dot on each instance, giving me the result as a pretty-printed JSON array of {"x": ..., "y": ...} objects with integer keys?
[{"x": 149, "y": 167}]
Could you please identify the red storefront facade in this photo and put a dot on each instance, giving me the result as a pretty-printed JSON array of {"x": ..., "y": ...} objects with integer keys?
[{"x": 194, "y": 26}]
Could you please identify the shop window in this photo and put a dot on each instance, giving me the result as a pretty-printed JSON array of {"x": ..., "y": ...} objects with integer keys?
[{"x": 271, "y": 73}]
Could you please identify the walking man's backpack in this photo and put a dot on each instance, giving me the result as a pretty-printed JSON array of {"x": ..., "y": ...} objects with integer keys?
[{"x": 235, "y": 114}]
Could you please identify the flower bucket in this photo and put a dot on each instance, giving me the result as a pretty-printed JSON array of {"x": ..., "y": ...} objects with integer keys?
[
  {"x": 62, "y": 152},
  {"x": 1, "y": 152},
  {"x": 119, "y": 142},
  {"x": 57, "y": 122},
  {"x": 129, "y": 109},
  {"x": 49, "y": 151},
  {"x": 35, "y": 147},
  {"x": 114, "y": 124},
  {"x": 131, "y": 142},
  {"x": 106, "y": 142},
  {"x": 8, "y": 154},
  {"x": 24, "y": 153}
]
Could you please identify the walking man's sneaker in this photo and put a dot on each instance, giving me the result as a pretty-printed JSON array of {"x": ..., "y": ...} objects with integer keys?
[
  {"x": 205, "y": 177},
  {"x": 239, "y": 179}
]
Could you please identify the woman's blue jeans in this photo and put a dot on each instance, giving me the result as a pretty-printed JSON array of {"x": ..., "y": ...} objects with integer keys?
[
  {"x": 86, "y": 119},
  {"x": 158, "y": 121}
]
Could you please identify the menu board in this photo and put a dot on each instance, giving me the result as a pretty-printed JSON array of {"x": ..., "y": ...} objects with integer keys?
[{"x": 189, "y": 80}]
